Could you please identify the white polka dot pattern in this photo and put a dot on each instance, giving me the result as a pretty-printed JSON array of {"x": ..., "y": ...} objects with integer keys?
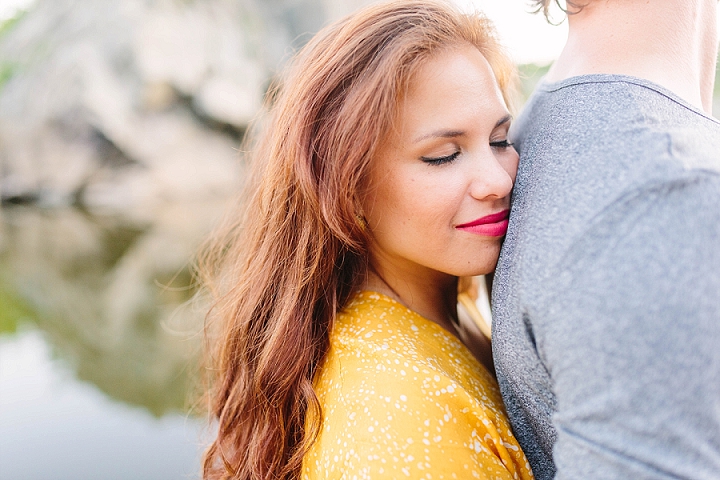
[{"x": 403, "y": 398}]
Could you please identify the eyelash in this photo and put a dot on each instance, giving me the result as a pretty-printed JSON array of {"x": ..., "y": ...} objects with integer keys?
[
  {"x": 440, "y": 160},
  {"x": 503, "y": 144}
]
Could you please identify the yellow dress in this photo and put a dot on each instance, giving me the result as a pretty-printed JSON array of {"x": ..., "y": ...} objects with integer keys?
[{"x": 403, "y": 398}]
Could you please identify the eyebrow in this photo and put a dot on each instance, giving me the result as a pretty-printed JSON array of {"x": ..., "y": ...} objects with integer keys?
[{"x": 457, "y": 133}]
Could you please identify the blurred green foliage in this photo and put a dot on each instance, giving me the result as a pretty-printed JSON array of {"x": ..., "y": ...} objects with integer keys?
[
  {"x": 530, "y": 74},
  {"x": 8, "y": 69},
  {"x": 9, "y": 23},
  {"x": 13, "y": 310}
]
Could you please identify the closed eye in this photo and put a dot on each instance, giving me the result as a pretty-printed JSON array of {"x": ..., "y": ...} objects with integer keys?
[
  {"x": 501, "y": 144},
  {"x": 440, "y": 160}
]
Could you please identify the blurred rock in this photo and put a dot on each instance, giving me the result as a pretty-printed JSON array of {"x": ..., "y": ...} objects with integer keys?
[{"x": 121, "y": 103}]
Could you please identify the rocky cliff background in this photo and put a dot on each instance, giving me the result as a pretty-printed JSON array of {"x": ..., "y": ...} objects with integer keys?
[{"x": 125, "y": 103}]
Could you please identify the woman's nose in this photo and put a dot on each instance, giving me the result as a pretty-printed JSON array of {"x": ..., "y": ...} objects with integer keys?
[{"x": 492, "y": 179}]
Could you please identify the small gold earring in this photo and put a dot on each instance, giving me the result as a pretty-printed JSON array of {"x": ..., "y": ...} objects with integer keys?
[{"x": 361, "y": 222}]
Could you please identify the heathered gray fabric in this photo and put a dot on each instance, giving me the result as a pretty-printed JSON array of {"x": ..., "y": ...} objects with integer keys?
[{"x": 606, "y": 298}]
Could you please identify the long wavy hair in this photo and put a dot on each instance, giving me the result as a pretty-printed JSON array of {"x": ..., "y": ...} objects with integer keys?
[{"x": 295, "y": 251}]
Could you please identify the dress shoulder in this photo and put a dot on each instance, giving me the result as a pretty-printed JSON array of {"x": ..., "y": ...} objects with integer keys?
[{"x": 401, "y": 397}]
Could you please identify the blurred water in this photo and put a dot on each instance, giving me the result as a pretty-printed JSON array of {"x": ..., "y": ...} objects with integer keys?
[
  {"x": 56, "y": 427},
  {"x": 99, "y": 344}
]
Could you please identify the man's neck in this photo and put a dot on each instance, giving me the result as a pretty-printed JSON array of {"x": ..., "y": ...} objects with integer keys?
[{"x": 670, "y": 42}]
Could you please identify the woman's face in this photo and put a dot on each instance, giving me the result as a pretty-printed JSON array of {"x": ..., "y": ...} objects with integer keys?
[{"x": 439, "y": 188}]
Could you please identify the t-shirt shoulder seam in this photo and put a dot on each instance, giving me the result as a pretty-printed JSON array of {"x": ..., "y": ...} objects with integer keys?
[{"x": 623, "y": 79}]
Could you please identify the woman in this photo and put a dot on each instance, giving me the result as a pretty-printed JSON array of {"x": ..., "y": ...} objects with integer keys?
[{"x": 383, "y": 175}]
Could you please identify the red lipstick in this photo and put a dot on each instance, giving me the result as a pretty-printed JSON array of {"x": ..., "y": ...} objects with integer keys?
[{"x": 494, "y": 225}]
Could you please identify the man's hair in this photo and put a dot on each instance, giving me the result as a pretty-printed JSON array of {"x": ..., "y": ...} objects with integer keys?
[{"x": 571, "y": 6}]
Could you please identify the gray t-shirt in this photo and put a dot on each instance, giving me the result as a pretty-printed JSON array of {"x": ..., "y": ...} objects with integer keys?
[{"x": 606, "y": 298}]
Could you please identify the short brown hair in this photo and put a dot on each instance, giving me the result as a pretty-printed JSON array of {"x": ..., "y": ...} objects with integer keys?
[{"x": 571, "y": 6}]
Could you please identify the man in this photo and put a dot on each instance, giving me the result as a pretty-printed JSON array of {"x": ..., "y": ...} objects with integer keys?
[{"x": 606, "y": 298}]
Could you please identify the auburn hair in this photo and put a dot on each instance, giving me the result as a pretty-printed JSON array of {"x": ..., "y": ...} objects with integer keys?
[{"x": 292, "y": 255}]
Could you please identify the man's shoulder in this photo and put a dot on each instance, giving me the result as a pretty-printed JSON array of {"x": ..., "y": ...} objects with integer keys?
[
  {"x": 599, "y": 103},
  {"x": 598, "y": 127}
]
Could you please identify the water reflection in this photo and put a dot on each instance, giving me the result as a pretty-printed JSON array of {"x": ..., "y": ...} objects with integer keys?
[
  {"x": 53, "y": 427},
  {"x": 96, "y": 321}
]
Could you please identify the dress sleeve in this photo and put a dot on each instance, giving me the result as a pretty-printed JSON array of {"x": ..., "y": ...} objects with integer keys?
[
  {"x": 632, "y": 338},
  {"x": 398, "y": 419}
]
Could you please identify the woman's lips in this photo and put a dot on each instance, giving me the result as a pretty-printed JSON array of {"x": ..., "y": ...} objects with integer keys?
[{"x": 494, "y": 225}]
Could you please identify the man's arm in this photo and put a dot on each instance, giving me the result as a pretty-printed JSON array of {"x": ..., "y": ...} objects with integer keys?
[{"x": 632, "y": 338}]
